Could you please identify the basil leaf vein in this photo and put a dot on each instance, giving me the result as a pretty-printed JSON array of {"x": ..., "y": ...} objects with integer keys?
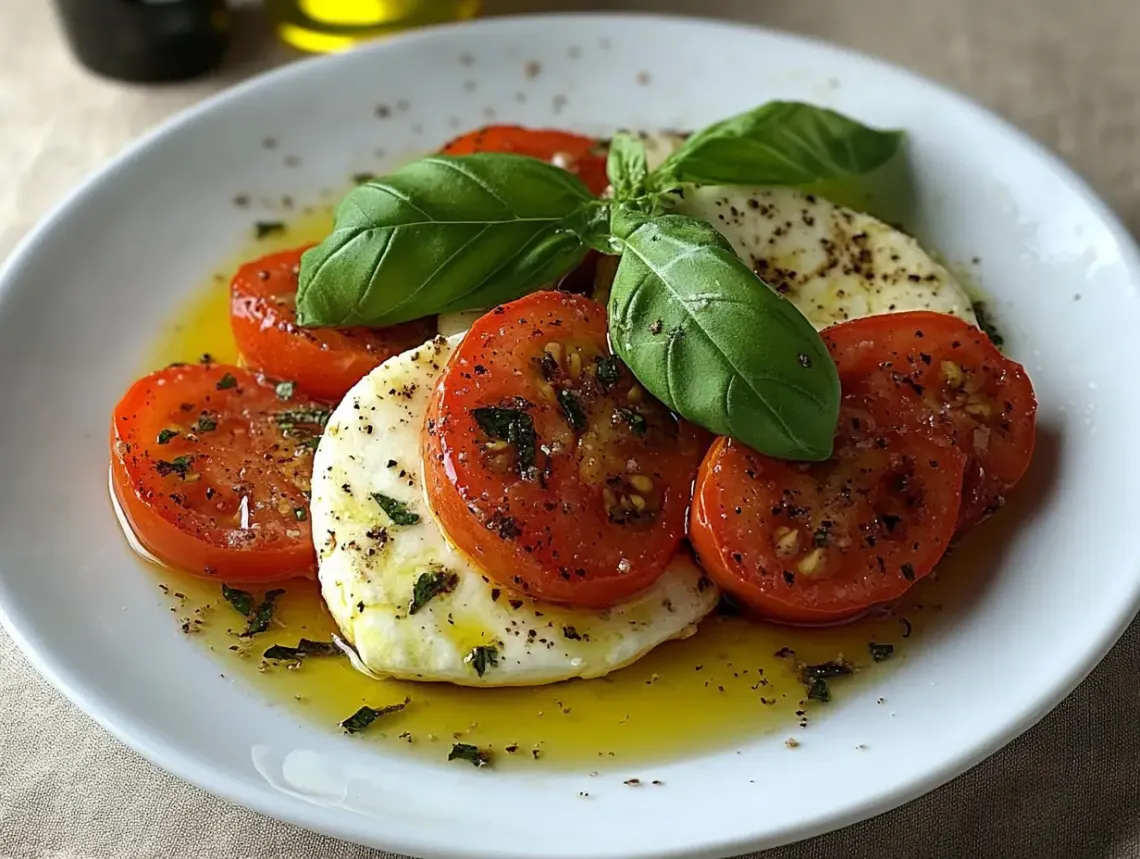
[
  {"x": 707, "y": 337},
  {"x": 779, "y": 143}
]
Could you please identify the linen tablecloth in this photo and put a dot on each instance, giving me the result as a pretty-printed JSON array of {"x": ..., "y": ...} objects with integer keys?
[{"x": 1066, "y": 72}]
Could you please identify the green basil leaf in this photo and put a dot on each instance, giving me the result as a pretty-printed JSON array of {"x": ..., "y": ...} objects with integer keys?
[
  {"x": 779, "y": 143},
  {"x": 483, "y": 657},
  {"x": 260, "y": 618},
  {"x": 627, "y": 166},
  {"x": 242, "y": 601},
  {"x": 305, "y": 647},
  {"x": 430, "y": 585},
  {"x": 705, "y": 336},
  {"x": 472, "y": 754},
  {"x": 395, "y": 510},
  {"x": 513, "y": 426},
  {"x": 366, "y": 715},
  {"x": 447, "y": 233}
]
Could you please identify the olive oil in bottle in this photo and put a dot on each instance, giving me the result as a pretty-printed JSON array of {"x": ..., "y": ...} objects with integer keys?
[{"x": 335, "y": 25}]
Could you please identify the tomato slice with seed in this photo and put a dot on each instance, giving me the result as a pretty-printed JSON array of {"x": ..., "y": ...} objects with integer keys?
[
  {"x": 323, "y": 362},
  {"x": 821, "y": 543},
  {"x": 211, "y": 470},
  {"x": 583, "y": 156},
  {"x": 548, "y": 464},
  {"x": 935, "y": 373}
]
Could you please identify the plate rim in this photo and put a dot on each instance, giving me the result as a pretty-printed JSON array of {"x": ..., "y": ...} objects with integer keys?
[{"x": 171, "y": 759}]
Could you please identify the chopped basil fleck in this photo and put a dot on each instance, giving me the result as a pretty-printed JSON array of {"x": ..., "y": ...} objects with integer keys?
[
  {"x": 292, "y": 418},
  {"x": 834, "y": 668},
  {"x": 262, "y": 229},
  {"x": 548, "y": 366},
  {"x": 472, "y": 754},
  {"x": 227, "y": 381},
  {"x": 430, "y": 585},
  {"x": 300, "y": 514},
  {"x": 260, "y": 618},
  {"x": 205, "y": 424},
  {"x": 881, "y": 652},
  {"x": 513, "y": 426},
  {"x": 397, "y": 511},
  {"x": 304, "y": 647},
  {"x": 164, "y": 436},
  {"x": 240, "y": 600},
  {"x": 986, "y": 323},
  {"x": 819, "y": 690},
  {"x": 365, "y": 716},
  {"x": 633, "y": 420},
  {"x": 608, "y": 371},
  {"x": 180, "y": 465},
  {"x": 483, "y": 657},
  {"x": 285, "y": 390},
  {"x": 572, "y": 409},
  {"x": 815, "y": 677}
]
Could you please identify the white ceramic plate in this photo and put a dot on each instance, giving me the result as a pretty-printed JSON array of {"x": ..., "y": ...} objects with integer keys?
[{"x": 84, "y": 295}]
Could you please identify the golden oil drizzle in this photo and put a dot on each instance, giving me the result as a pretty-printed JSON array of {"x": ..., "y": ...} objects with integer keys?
[{"x": 729, "y": 683}]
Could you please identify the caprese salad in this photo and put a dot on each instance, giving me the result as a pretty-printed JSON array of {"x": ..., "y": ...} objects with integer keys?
[{"x": 538, "y": 401}]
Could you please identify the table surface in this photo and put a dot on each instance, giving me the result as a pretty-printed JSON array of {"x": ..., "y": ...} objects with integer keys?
[{"x": 1068, "y": 73}]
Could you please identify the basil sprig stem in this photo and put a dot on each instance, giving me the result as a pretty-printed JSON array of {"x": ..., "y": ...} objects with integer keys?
[{"x": 694, "y": 324}]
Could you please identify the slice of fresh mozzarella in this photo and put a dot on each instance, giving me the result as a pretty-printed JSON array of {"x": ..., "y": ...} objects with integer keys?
[
  {"x": 833, "y": 263},
  {"x": 370, "y": 564}
]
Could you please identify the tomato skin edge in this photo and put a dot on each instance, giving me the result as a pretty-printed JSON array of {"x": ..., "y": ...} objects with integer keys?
[
  {"x": 224, "y": 567},
  {"x": 324, "y": 363},
  {"x": 713, "y": 554},
  {"x": 163, "y": 540},
  {"x": 710, "y": 558},
  {"x": 984, "y": 490},
  {"x": 450, "y": 484}
]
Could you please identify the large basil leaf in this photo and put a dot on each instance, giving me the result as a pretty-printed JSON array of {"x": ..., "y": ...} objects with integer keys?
[
  {"x": 705, "y": 336},
  {"x": 627, "y": 166},
  {"x": 779, "y": 143},
  {"x": 447, "y": 233}
]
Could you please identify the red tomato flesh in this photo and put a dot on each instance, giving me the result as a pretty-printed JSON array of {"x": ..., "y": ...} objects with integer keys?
[
  {"x": 323, "y": 362},
  {"x": 937, "y": 374},
  {"x": 820, "y": 543},
  {"x": 548, "y": 464},
  {"x": 212, "y": 469},
  {"x": 583, "y": 156}
]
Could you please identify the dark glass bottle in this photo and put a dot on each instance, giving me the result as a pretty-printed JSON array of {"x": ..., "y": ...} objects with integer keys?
[{"x": 146, "y": 40}]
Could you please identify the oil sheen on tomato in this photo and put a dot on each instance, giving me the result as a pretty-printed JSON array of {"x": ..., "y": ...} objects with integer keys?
[{"x": 719, "y": 689}]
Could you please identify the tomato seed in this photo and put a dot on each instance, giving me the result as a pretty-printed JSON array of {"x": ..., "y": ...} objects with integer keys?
[{"x": 787, "y": 542}]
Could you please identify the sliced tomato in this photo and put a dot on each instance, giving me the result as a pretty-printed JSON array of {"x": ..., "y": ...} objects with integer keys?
[
  {"x": 211, "y": 469},
  {"x": 548, "y": 464},
  {"x": 936, "y": 373},
  {"x": 323, "y": 362},
  {"x": 820, "y": 543},
  {"x": 583, "y": 156}
]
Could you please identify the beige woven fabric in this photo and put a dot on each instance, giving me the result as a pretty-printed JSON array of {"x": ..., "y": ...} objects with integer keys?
[{"x": 1067, "y": 72}]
